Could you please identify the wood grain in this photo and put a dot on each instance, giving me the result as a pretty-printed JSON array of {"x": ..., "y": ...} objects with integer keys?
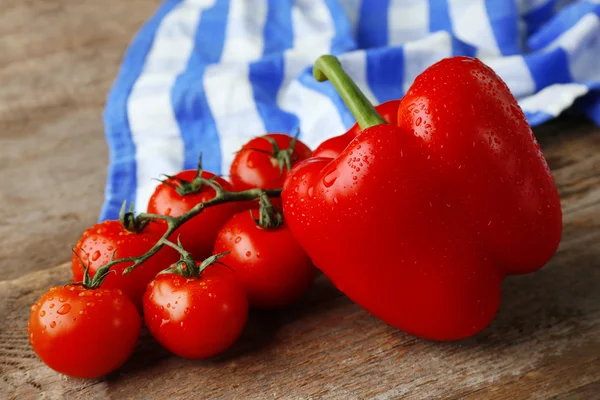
[
  {"x": 544, "y": 343},
  {"x": 57, "y": 61}
]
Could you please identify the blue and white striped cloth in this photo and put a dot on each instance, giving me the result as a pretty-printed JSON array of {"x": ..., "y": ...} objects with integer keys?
[{"x": 208, "y": 75}]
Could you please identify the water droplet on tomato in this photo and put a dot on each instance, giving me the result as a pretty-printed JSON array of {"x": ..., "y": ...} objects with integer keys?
[
  {"x": 258, "y": 255},
  {"x": 186, "y": 311},
  {"x": 335, "y": 200},
  {"x": 238, "y": 239},
  {"x": 51, "y": 305},
  {"x": 310, "y": 192},
  {"x": 168, "y": 211},
  {"x": 42, "y": 313},
  {"x": 354, "y": 178},
  {"x": 248, "y": 254},
  {"x": 168, "y": 305},
  {"x": 65, "y": 308},
  {"x": 52, "y": 324},
  {"x": 330, "y": 178},
  {"x": 110, "y": 248},
  {"x": 162, "y": 308},
  {"x": 62, "y": 299},
  {"x": 418, "y": 121},
  {"x": 96, "y": 255}
]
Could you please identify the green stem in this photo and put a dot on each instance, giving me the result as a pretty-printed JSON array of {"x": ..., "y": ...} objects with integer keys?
[
  {"x": 173, "y": 223},
  {"x": 328, "y": 67}
]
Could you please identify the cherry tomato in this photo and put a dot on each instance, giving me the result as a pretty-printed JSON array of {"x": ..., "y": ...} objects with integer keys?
[
  {"x": 198, "y": 234},
  {"x": 108, "y": 239},
  {"x": 196, "y": 317},
  {"x": 265, "y": 161},
  {"x": 269, "y": 263},
  {"x": 331, "y": 148},
  {"x": 84, "y": 333}
]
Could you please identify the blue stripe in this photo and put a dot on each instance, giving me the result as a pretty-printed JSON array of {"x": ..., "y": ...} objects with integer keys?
[
  {"x": 327, "y": 89},
  {"x": 373, "y": 24},
  {"x": 504, "y": 18},
  {"x": 121, "y": 183},
  {"x": 385, "y": 74},
  {"x": 549, "y": 68},
  {"x": 439, "y": 16},
  {"x": 565, "y": 20},
  {"x": 535, "y": 18},
  {"x": 194, "y": 117},
  {"x": 537, "y": 117},
  {"x": 590, "y": 105},
  {"x": 266, "y": 75},
  {"x": 343, "y": 39},
  {"x": 460, "y": 48}
]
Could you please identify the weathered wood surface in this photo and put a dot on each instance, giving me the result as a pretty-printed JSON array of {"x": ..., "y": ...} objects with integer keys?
[
  {"x": 54, "y": 76},
  {"x": 57, "y": 61},
  {"x": 544, "y": 343}
]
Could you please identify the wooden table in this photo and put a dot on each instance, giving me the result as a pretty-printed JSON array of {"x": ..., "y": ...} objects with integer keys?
[{"x": 54, "y": 76}]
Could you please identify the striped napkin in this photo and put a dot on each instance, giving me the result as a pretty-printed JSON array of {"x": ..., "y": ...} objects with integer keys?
[{"x": 205, "y": 76}]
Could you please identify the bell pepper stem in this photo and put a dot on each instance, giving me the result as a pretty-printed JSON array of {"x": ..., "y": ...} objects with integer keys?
[{"x": 328, "y": 67}]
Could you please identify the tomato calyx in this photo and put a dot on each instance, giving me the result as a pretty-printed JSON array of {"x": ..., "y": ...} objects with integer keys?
[
  {"x": 187, "y": 266},
  {"x": 284, "y": 157},
  {"x": 101, "y": 273},
  {"x": 184, "y": 187},
  {"x": 129, "y": 220},
  {"x": 269, "y": 217}
]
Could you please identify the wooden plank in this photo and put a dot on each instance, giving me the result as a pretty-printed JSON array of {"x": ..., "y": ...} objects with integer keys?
[
  {"x": 57, "y": 62},
  {"x": 544, "y": 343}
]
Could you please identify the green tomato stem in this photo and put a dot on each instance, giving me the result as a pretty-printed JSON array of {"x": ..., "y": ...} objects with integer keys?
[
  {"x": 328, "y": 67},
  {"x": 173, "y": 223}
]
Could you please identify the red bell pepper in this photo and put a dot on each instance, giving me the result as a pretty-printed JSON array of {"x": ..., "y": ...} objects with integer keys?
[
  {"x": 419, "y": 223},
  {"x": 332, "y": 147}
]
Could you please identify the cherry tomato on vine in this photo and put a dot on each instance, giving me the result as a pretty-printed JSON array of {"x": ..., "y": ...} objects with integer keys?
[
  {"x": 112, "y": 239},
  {"x": 265, "y": 161},
  {"x": 84, "y": 333},
  {"x": 179, "y": 194},
  {"x": 196, "y": 311},
  {"x": 268, "y": 262}
]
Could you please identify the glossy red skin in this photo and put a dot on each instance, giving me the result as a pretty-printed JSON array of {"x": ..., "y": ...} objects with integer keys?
[
  {"x": 254, "y": 169},
  {"x": 331, "y": 148},
  {"x": 196, "y": 318},
  {"x": 84, "y": 333},
  {"x": 420, "y": 223},
  {"x": 98, "y": 243},
  {"x": 269, "y": 263},
  {"x": 198, "y": 234}
]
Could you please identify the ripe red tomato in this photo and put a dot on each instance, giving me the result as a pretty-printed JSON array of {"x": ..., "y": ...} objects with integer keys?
[
  {"x": 83, "y": 333},
  {"x": 196, "y": 317},
  {"x": 99, "y": 243},
  {"x": 269, "y": 263},
  {"x": 331, "y": 148},
  {"x": 265, "y": 161},
  {"x": 198, "y": 234}
]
